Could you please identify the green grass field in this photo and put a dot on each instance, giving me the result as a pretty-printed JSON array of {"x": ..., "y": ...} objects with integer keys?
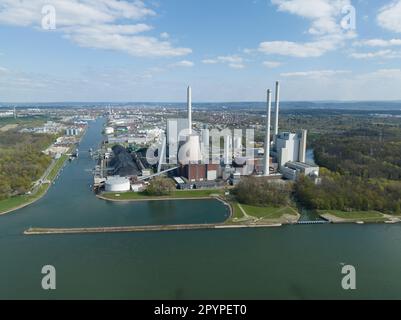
[
  {"x": 59, "y": 164},
  {"x": 254, "y": 212},
  {"x": 237, "y": 213},
  {"x": 174, "y": 195},
  {"x": 268, "y": 212},
  {"x": 15, "y": 202},
  {"x": 25, "y": 122}
]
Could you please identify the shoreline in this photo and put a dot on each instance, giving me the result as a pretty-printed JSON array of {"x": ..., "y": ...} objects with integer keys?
[
  {"x": 25, "y": 204},
  {"x": 156, "y": 199}
]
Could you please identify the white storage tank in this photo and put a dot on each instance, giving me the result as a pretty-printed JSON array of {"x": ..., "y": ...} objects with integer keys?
[
  {"x": 117, "y": 184},
  {"x": 109, "y": 130}
]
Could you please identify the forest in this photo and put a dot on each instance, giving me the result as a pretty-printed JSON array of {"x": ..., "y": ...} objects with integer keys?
[
  {"x": 366, "y": 153},
  {"x": 21, "y": 161},
  {"x": 262, "y": 192},
  {"x": 363, "y": 171},
  {"x": 349, "y": 193}
]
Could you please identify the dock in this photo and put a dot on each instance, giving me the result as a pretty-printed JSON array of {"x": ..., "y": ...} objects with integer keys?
[{"x": 313, "y": 222}]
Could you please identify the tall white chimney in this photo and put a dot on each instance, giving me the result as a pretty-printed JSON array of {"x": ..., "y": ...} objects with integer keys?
[
  {"x": 302, "y": 146},
  {"x": 267, "y": 140},
  {"x": 277, "y": 112},
  {"x": 189, "y": 102}
]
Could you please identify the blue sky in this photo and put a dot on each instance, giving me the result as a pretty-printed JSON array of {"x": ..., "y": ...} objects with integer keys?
[{"x": 110, "y": 50}]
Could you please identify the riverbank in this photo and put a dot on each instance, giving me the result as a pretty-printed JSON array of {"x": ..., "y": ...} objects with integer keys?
[
  {"x": 18, "y": 202},
  {"x": 335, "y": 216},
  {"x": 176, "y": 195}
]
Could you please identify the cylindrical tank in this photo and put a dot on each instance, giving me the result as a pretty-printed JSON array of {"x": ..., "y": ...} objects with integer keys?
[
  {"x": 117, "y": 184},
  {"x": 109, "y": 130}
]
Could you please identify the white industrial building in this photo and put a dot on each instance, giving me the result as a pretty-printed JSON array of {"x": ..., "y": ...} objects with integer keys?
[
  {"x": 293, "y": 170},
  {"x": 291, "y": 147},
  {"x": 72, "y": 131}
]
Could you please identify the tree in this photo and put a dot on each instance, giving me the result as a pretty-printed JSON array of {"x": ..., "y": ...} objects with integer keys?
[
  {"x": 262, "y": 192},
  {"x": 161, "y": 187}
]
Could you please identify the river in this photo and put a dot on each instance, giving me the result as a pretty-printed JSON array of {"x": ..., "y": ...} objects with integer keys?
[{"x": 292, "y": 262}]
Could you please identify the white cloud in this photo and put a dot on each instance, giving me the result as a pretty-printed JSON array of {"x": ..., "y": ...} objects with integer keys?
[
  {"x": 103, "y": 24},
  {"x": 325, "y": 17},
  {"x": 272, "y": 64},
  {"x": 233, "y": 61},
  {"x": 210, "y": 61},
  {"x": 230, "y": 59},
  {"x": 323, "y": 14},
  {"x": 382, "y": 74},
  {"x": 378, "y": 43},
  {"x": 387, "y": 54},
  {"x": 377, "y": 85},
  {"x": 315, "y": 73},
  {"x": 183, "y": 63},
  {"x": 236, "y": 65},
  {"x": 299, "y": 50},
  {"x": 390, "y": 16}
]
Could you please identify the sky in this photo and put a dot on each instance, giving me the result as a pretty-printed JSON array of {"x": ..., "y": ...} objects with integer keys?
[{"x": 227, "y": 50}]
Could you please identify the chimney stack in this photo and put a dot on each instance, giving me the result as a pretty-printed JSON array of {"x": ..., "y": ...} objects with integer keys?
[
  {"x": 189, "y": 103},
  {"x": 277, "y": 112},
  {"x": 267, "y": 140}
]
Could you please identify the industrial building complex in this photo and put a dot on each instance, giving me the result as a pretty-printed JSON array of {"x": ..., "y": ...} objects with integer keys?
[{"x": 194, "y": 157}]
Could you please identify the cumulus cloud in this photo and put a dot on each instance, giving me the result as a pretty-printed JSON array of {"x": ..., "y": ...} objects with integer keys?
[
  {"x": 378, "y": 43},
  {"x": 314, "y": 73},
  {"x": 272, "y": 64},
  {"x": 323, "y": 14},
  {"x": 210, "y": 61},
  {"x": 103, "y": 24},
  {"x": 183, "y": 63},
  {"x": 233, "y": 61},
  {"x": 349, "y": 86},
  {"x": 390, "y": 16},
  {"x": 386, "y": 54},
  {"x": 299, "y": 50},
  {"x": 325, "y": 27}
]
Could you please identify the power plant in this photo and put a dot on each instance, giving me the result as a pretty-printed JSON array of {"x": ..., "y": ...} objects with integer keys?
[
  {"x": 193, "y": 156},
  {"x": 284, "y": 152}
]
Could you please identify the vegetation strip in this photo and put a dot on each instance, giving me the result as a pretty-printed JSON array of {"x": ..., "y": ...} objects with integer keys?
[{"x": 22, "y": 201}]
